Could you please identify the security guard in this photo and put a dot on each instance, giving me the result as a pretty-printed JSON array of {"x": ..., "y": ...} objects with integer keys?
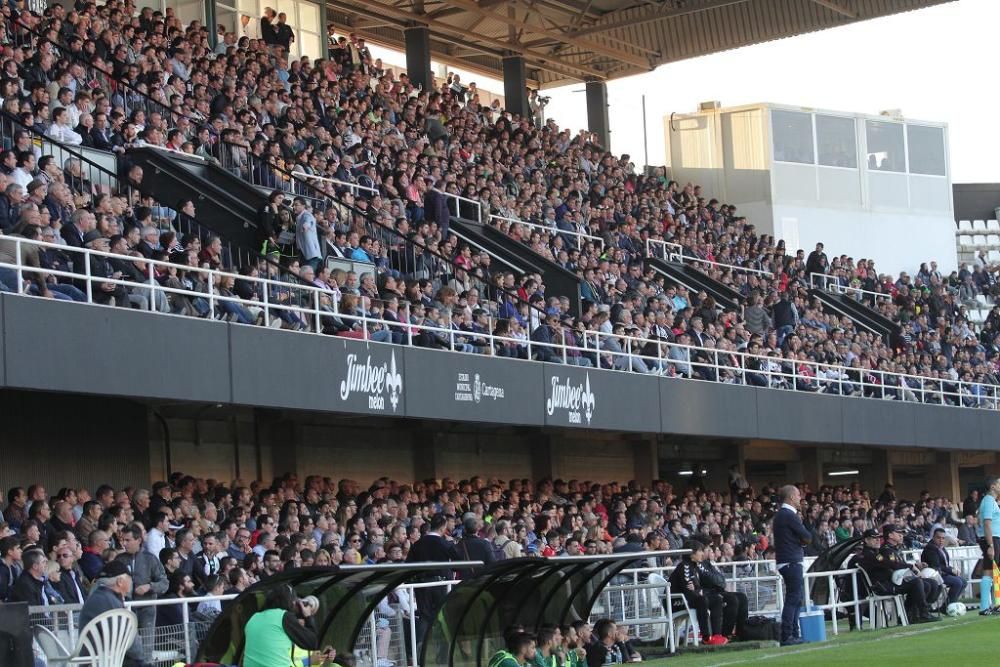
[
  {"x": 882, "y": 565},
  {"x": 865, "y": 558}
]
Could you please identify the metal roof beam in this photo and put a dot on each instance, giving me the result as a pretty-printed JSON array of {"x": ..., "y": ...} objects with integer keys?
[
  {"x": 511, "y": 21},
  {"x": 622, "y": 19},
  {"x": 540, "y": 59},
  {"x": 839, "y": 8}
]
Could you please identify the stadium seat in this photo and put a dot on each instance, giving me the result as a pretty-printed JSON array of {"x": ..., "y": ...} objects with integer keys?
[
  {"x": 993, "y": 225},
  {"x": 964, "y": 225}
]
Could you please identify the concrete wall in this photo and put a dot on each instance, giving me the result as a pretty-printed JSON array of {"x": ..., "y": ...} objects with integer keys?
[{"x": 286, "y": 388}]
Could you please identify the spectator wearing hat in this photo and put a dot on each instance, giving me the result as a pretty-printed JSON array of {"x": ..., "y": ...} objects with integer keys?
[
  {"x": 891, "y": 575},
  {"x": 111, "y": 586}
]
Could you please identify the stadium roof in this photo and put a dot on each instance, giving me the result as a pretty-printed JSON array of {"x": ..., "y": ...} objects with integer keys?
[{"x": 576, "y": 40}]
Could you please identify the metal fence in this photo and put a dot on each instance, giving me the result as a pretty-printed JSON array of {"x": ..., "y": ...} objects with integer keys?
[
  {"x": 313, "y": 308},
  {"x": 635, "y": 599}
]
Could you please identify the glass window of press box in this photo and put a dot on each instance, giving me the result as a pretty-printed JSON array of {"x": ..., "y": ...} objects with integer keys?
[
  {"x": 886, "y": 146},
  {"x": 301, "y": 15},
  {"x": 926, "y": 150},
  {"x": 836, "y": 141},
  {"x": 792, "y": 133}
]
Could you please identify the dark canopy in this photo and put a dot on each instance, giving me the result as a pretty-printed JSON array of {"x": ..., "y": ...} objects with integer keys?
[
  {"x": 347, "y": 597},
  {"x": 531, "y": 592}
]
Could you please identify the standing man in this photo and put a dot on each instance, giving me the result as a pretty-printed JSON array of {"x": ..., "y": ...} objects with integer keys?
[
  {"x": 306, "y": 237},
  {"x": 988, "y": 531},
  {"x": 432, "y": 547},
  {"x": 789, "y": 538},
  {"x": 149, "y": 580}
]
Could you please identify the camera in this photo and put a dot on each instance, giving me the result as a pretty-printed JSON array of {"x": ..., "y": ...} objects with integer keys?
[{"x": 543, "y": 100}]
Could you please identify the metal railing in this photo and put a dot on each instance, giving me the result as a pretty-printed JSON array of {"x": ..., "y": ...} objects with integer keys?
[
  {"x": 120, "y": 92},
  {"x": 311, "y": 307},
  {"x": 831, "y": 283},
  {"x": 463, "y": 207},
  {"x": 580, "y": 237},
  {"x": 389, "y": 633},
  {"x": 673, "y": 252},
  {"x": 412, "y": 258}
]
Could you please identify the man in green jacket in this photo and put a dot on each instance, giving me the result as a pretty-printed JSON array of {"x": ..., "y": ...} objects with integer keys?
[{"x": 520, "y": 649}]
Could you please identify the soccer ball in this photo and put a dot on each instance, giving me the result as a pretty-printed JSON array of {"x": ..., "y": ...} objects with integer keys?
[{"x": 956, "y": 609}]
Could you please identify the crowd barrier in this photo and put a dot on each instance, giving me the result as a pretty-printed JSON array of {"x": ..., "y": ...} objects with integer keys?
[
  {"x": 312, "y": 308},
  {"x": 638, "y": 598}
]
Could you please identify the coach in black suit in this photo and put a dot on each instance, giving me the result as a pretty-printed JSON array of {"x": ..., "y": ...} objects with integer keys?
[
  {"x": 789, "y": 538},
  {"x": 935, "y": 556},
  {"x": 432, "y": 547}
]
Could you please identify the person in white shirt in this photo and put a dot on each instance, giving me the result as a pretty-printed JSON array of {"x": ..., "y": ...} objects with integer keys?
[
  {"x": 248, "y": 27},
  {"x": 156, "y": 539},
  {"x": 24, "y": 172},
  {"x": 61, "y": 130}
]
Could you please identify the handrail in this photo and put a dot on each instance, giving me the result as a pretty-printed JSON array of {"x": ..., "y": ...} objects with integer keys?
[
  {"x": 325, "y": 179},
  {"x": 65, "y": 50},
  {"x": 466, "y": 239},
  {"x": 621, "y": 353},
  {"x": 120, "y": 183},
  {"x": 829, "y": 284},
  {"x": 370, "y": 217},
  {"x": 460, "y": 198},
  {"x": 679, "y": 256},
  {"x": 580, "y": 236}
]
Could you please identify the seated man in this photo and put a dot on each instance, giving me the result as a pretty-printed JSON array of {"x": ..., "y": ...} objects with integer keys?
[
  {"x": 686, "y": 579},
  {"x": 882, "y": 566},
  {"x": 936, "y": 557},
  {"x": 735, "y": 606},
  {"x": 603, "y": 648},
  {"x": 520, "y": 651},
  {"x": 113, "y": 583}
]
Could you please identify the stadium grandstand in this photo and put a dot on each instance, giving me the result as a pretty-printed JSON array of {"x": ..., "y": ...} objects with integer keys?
[{"x": 276, "y": 312}]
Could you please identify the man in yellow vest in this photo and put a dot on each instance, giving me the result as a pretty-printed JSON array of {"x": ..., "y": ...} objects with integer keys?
[{"x": 284, "y": 623}]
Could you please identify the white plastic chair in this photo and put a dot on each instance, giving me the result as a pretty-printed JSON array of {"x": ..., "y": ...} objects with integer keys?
[
  {"x": 103, "y": 643},
  {"x": 880, "y": 607},
  {"x": 993, "y": 225},
  {"x": 964, "y": 225},
  {"x": 979, "y": 225}
]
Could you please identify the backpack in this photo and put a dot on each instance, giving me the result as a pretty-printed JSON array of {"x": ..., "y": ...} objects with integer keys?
[
  {"x": 498, "y": 552},
  {"x": 760, "y": 628}
]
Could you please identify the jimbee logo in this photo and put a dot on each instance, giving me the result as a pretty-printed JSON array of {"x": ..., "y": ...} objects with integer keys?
[
  {"x": 374, "y": 380},
  {"x": 578, "y": 400}
]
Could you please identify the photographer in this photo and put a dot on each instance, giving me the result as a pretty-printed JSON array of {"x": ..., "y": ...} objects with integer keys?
[{"x": 284, "y": 623}]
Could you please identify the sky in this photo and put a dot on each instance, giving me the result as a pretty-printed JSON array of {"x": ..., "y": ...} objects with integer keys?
[{"x": 935, "y": 64}]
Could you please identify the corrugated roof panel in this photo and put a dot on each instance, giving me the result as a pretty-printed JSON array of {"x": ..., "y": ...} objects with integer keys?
[{"x": 697, "y": 33}]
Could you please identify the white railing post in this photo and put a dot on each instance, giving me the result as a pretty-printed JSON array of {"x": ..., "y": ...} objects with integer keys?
[
  {"x": 185, "y": 616},
  {"x": 152, "y": 289},
  {"x": 90, "y": 284}
]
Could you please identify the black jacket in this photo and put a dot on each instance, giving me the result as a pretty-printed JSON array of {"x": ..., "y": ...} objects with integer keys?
[
  {"x": 472, "y": 547},
  {"x": 27, "y": 589},
  {"x": 937, "y": 559}
]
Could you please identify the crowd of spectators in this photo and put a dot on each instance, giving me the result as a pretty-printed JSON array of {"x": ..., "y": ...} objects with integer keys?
[
  {"x": 359, "y": 158},
  {"x": 192, "y": 536}
]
